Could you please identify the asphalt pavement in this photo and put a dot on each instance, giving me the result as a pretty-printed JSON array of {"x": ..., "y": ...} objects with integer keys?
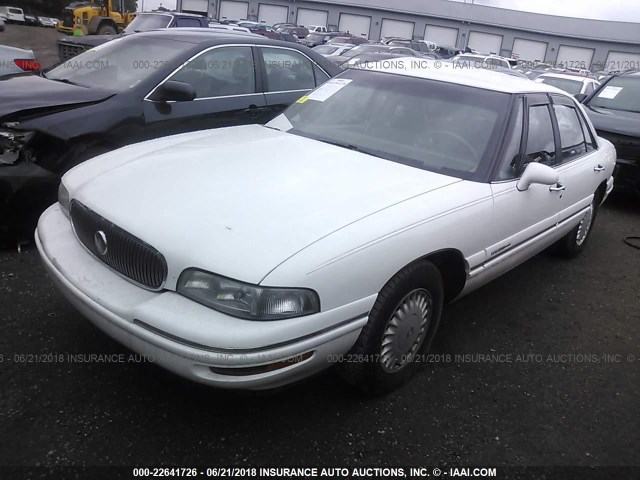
[{"x": 540, "y": 367}]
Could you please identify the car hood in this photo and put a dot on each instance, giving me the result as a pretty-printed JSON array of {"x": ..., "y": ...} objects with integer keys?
[
  {"x": 89, "y": 40},
  {"x": 614, "y": 121},
  {"x": 31, "y": 94},
  {"x": 239, "y": 201}
]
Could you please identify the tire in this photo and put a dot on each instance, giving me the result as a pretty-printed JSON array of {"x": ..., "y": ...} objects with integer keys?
[
  {"x": 106, "y": 30},
  {"x": 402, "y": 324},
  {"x": 572, "y": 244}
]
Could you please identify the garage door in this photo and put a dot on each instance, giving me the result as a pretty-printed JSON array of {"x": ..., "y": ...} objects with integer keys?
[
  {"x": 195, "y": 6},
  {"x": 529, "y": 50},
  {"x": 271, "y": 14},
  {"x": 622, "y": 61},
  {"x": 444, "y": 36},
  {"x": 308, "y": 16},
  {"x": 357, "y": 25},
  {"x": 231, "y": 10},
  {"x": 396, "y": 28},
  {"x": 574, "y": 57},
  {"x": 485, "y": 42}
]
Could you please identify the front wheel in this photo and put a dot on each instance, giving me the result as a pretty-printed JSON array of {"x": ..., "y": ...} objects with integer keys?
[{"x": 401, "y": 327}]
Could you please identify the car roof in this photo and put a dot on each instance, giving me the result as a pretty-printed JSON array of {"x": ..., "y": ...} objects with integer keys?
[
  {"x": 577, "y": 78},
  {"x": 479, "y": 78},
  {"x": 197, "y": 35}
]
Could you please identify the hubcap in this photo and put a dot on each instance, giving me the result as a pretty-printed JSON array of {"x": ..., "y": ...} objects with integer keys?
[
  {"x": 584, "y": 227},
  {"x": 405, "y": 330}
]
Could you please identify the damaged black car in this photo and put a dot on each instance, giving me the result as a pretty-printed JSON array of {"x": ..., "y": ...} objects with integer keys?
[{"x": 132, "y": 89}]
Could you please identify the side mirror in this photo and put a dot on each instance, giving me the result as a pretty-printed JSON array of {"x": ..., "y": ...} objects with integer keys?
[
  {"x": 580, "y": 97},
  {"x": 537, "y": 173},
  {"x": 172, "y": 91}
]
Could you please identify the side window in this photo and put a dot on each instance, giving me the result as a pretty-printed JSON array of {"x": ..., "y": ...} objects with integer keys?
[
  {"x": 509, "y": 165},
  {"x": 187, "y": 22},
  {"x": 287, "y": 70},
  {"x": 540, "y": 141},
  {"x": 571, "y": 135},
  {"x": 321, "y": 77},
  {"x": 587, "y": 133},
  {"x": 220, "y": 72}
]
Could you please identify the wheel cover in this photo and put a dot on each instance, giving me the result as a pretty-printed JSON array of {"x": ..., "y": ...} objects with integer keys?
[
  {"x": 584, "y": 226},
  {"x": 406, "y": 330}
]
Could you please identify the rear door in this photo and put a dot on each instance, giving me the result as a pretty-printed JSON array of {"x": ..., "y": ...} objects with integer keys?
[
  {"x": 228, "y": 92},
  {"x": 578, "y": 165},
  {"x": 288, "y": 74}
]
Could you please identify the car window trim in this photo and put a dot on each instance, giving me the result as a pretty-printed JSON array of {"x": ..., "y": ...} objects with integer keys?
[
  {"x": 535, "y": 100},
  {"x": 202, "y": 52},
  {"x": 513, "y": 109}
]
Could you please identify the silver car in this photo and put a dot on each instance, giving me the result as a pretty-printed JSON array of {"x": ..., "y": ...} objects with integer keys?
[{"x": 17, "y": 60}]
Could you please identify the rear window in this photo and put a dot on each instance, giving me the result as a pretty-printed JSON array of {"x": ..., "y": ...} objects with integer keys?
[{"x": 570, "y": 86}]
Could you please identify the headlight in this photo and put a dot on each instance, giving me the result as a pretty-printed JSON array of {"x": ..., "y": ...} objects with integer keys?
[
  {"x": 63, "y": 198},
  {"x": 244, "y": 300}
]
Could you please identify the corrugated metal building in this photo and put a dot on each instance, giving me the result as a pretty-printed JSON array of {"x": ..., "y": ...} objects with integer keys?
[{"x": 573, "y": 42}]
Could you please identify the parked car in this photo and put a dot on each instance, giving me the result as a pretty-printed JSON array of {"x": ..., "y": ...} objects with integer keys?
[
  {"x": 1, "y": 24},
  {"x": 577, "y": 85},
  {"x": 228, "y": 28},
  {"x": 348, "y": 39},
  {"x": 69, "y": 47},
  {"x": 417, "y": 45},
  {"x": 300, "y": 32},
  {"x": 614, "y": 110},
  {"x": 315, "y": 39},
  {"x": 47, "y": 22},
  {"x": 31, "y": 21},
  {"x": 342, "y": 60},
  {"x": 333, "y": 49},
  {"x": 282, "y": 25},
  {"x": 136, "y": 88},
  {"x": 444, "y": 52},
  {"x": 317, "y": 29},
  {"x": 399, "y": 167},
  {"x": 14, "y": 61},
  {"x": 485, "y": 61},
  {"x": 367, "y": 60},
  {"x": 12, "y": 15}
]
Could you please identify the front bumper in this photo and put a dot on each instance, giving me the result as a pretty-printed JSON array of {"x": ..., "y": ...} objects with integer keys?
[{"x": 188, "y": 338}]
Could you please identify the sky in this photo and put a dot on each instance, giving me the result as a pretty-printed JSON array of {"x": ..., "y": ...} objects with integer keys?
[{"x": 620, "y": 10}]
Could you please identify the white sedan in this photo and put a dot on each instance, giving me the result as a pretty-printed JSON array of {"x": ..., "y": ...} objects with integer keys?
[{"x": 253, "y": 256}]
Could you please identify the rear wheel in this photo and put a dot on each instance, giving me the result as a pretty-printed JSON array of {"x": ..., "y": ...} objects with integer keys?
[
  {"x": 402, "y": 324},
  {"x": 574, "y": 242}
]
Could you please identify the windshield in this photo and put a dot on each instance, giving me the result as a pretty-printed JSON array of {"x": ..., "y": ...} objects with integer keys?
[
  {"x": 570, "y": 86},
  {"x": 620, "y": 93},
  {"x": 146, "y": 22},
  {"x": 120, "y": 64},
  {"x": 431, "y": 125}
]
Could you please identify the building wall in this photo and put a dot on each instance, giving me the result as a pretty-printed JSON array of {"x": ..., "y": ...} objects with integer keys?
[{"x": 601, "y": 36}]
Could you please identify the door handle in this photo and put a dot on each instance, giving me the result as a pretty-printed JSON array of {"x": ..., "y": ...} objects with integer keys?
[
  {"x": 598, "y": 168},
  {"x": 558, "y": 188}
]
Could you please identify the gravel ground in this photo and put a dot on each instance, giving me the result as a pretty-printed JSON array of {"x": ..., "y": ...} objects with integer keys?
[
  {"x": 533, "y": 410},
  {"x": 39, "y": 39}
]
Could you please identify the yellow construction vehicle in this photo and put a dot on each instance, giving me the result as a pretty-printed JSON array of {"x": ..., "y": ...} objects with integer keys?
[{"x": 95, "y": 17}]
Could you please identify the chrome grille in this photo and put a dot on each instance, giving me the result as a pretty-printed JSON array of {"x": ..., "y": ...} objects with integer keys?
[
  {"x": 126, "y": 254},
  {"x": 67, "y": 51}
]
